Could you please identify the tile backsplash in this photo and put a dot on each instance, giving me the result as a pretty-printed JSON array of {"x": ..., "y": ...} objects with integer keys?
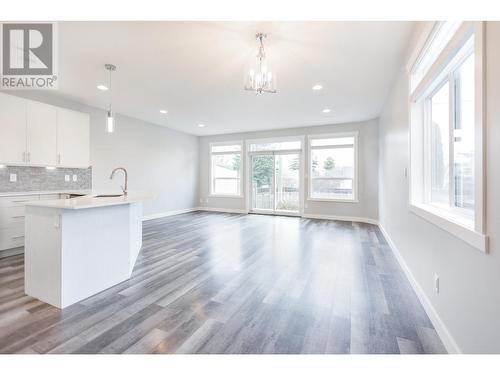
[{"x": 43, "y": 179}]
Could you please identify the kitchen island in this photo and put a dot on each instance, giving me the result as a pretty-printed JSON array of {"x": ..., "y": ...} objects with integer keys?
[{"x": 75, "y": 248}]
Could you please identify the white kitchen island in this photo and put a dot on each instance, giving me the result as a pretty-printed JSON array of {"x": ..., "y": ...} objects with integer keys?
[{"x": 75, "y": 248}]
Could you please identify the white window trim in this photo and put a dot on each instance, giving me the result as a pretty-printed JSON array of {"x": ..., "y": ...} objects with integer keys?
[
  {"x": 309, "y": 166},
  {"x": 211, "y": 185},
  {"x": 476, "y": 236},
  {"x": 292, "y": 138}
]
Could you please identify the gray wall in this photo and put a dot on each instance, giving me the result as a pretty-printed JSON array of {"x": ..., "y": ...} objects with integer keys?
[
  {"x": 368, "y": 170},
  {"x": 159, "y": 160},
  {"x": 469, "y": 300}
]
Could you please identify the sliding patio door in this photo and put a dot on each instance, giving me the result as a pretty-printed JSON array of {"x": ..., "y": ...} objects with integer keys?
[
  {"x": 262, "y": 167},
  {"x": 275, "y": 182}
]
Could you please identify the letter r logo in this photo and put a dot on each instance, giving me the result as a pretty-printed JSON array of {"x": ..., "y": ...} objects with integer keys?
[{"x": 27, "y": 49}]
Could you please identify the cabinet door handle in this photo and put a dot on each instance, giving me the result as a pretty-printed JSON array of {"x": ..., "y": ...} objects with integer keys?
[
  {"x": 24, "y": 156},
  {"x": 26, "y": 200},
  {"x": 17, "y": 237},
  {"x": 58, "y": 158},
  {"x": 18, "y": 217},
  {"x": 29, "y": 157}
]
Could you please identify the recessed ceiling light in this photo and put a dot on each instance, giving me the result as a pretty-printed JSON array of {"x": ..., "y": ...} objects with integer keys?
[
  {"x": 317, "y": 87},
  {"x": 102, "y": 87},
  {"x": 201, "y": 125},
  {"x": 163, "y": 111},
  {"x": 327, "y": 110}
]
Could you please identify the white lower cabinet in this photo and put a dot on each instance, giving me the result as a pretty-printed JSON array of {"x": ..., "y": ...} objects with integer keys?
[
  {"x": 12, "y": 213},
  {"x": 12, "y": 220},
  {"x": 11, "y": 238}
]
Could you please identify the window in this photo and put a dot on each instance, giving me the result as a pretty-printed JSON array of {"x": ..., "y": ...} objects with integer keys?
[
  {"x": 446, "y": 133},
  {"x": 440, "y": 35},
  {"x": 225, "y": 172},
  {"x": 332, "y": 167}
]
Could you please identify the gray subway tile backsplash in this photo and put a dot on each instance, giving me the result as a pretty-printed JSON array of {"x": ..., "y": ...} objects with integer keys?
[{"x": 43, "y": 179}]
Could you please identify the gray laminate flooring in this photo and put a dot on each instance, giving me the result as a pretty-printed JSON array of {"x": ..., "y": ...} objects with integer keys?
[{"x": 226, "y": 283}]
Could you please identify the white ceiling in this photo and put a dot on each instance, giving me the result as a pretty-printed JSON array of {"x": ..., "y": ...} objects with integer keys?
[{"x": 195, "y": 70}]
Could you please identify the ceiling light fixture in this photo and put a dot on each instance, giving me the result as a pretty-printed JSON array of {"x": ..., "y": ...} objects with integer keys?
[
  {"x": 102, "y": 87},
  {"x": 317, "y": 87},
  {"x": 201, "y": 125},
  {"x": 163, "y": 111},
  {"x": 327, "y": 110},
  {"x": 110, "y": 118},
  {"x": 260, "y": 79}
]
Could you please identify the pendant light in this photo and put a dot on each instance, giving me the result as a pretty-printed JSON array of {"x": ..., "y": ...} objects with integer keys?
[{"x": 110, "y": 118}]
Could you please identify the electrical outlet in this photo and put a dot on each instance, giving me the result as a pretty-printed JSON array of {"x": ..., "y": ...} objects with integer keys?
[
  {"x": 436, "y": 283},
  {"x": 406, "y": 172},
  {"x": 75, "y": 178},
  {"x": 13, "y": 177},
  {"x": 66, "y": 177},
  {"x": 201, "y": 200}
]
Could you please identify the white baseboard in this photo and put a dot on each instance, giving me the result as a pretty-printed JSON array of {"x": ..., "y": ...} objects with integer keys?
[
  {"x": 306, "y": 216},
  {"x": 443, "y": 332},
  {"x": 168, "y": 213},
  {"x": 341, "y": 218},
  {"x": 228, "y": 210}
]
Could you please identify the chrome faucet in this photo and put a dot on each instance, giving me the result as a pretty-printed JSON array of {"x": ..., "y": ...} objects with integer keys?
[{"x": 124, "y": 189}]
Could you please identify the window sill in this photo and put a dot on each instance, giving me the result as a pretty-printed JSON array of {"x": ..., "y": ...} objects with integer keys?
[
  {"x": 333, "y": 200},
  {"x": 451, "y": 225},
  {"x": 225, "y": 196}
]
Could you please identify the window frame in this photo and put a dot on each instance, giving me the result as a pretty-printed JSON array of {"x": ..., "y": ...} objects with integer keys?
[
  {"x": 309, "y": 177},
  {"x": 441, "y": 71},
  {"x": 213, "y": 194}
]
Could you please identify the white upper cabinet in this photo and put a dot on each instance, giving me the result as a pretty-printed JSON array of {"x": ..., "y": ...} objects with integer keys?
[
  {"x": 73, "y": 138},
  {"x": 41, "y": 134},
  {"x": 12, "y": 130},
  {"x": 38, "y": 134}
]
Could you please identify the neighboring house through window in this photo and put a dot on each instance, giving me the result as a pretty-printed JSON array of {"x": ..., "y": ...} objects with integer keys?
[
  {"x": 333, "y": 167},
  {"x": 225, "y": 170}
]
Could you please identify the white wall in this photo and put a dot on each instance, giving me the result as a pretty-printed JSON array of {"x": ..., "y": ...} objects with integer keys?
[
  {"x": 469, "y": 300},
  {"x": 367, "y": 207},
  {"x": 159, "y": 160}
]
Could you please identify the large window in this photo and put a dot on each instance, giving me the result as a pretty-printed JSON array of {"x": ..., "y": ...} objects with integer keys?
[
  {"x": 446, "y": 132},
  {"x": 332, "y": 167},
  {"x": 225, "y": 170}
]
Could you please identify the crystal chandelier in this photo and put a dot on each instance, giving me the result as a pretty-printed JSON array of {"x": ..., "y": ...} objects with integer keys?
[{"x": 260, "y": 79}]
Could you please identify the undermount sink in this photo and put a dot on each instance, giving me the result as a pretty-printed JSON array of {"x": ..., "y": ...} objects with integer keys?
[{"x": 108, "y": 195}]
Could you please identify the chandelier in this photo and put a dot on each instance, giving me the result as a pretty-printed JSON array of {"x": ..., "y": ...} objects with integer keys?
[{"x": 260, "y": 79}]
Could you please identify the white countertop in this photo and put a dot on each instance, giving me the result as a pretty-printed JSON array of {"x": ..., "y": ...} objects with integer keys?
[
  {"x": 91, "y": 201},
  {"x": 46, "y": 192}
]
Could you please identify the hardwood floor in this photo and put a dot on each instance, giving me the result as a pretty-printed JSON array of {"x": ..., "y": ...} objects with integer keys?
[{"x": 226, "y": 283}]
